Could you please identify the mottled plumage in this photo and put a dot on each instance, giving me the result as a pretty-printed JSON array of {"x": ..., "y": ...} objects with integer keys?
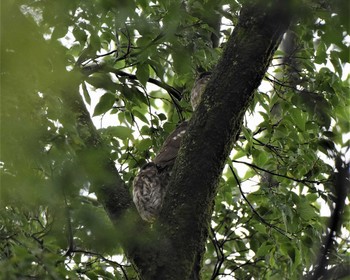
[
  {"x": 148, "y": 192},
  {"x": 198, "y": 88},
  {"x": 151, "y": 183}
]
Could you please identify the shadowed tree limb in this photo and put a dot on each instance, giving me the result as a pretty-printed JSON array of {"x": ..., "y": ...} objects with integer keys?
[
  {"x": 341, "y": 189},
  {"x": 90, "y": 69}
]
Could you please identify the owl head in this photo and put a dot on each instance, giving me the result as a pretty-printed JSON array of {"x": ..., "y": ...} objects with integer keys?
[{"x": 149, "y": 168}]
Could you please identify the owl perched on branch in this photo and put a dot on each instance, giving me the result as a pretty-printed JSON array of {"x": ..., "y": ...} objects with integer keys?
[
  {"x": 151, "y": 183},
  {"x": 198, "y": 89},
  {"x": 149, "y": 190}
]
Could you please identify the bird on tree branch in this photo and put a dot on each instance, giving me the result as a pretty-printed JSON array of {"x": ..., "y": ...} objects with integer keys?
[{"x": 151, "y": 183}]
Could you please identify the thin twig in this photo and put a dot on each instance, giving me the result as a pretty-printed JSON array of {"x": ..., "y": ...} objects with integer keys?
[
  {"x": 219, "y": 253},
  {"x": 304, "y": 181},
  {"x": 279, "y": 230},
  {"x": 102, "y": 258},
  {"x": 171, "y": 90}
]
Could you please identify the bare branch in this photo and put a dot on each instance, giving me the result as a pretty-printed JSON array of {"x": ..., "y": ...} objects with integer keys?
[
  {"x": 173, "y": 92},
  {"x": 304, "y": 181}
]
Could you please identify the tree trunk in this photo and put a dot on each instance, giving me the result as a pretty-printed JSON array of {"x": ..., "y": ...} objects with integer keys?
[{"x": 176, "y": 249}]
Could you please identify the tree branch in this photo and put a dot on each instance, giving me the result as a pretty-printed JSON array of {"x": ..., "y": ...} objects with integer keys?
[
  {"x": 185, "y": 218},
  {"x": 342, "y": 188},
  {"x": 304, "y": 181},
  {"x": 94, "y": 156},
  {"x": 173, "y": 92},
  {"x": 110, "y": 189}
]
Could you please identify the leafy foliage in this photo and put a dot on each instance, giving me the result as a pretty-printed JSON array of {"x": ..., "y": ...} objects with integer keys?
[{"x": 134, "y": 63}]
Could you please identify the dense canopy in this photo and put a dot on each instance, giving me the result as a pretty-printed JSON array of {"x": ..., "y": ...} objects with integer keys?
[{"x": 91, "y": 89}]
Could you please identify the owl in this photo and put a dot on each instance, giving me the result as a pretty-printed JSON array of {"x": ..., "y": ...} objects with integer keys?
[
  {"x": 151, "y": 183},
  {"x": 148, "y": 192},
  {"x": 198, "y": 89}
]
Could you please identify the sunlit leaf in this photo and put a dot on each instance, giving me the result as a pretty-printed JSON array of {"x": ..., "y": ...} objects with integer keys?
[
  {"x": 105, "y": 104},
  {"x": 142, "y": 73},
  {"x": 306, "y": 211},
  {"x": 120, "y": 132},
  {"x": 86, "y": 94}
]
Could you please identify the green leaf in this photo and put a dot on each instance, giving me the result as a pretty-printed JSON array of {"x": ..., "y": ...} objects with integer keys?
[
  {"x": 260, "y": 228},
  {"x": 260, "y": 157},
  {"x": 249, "y": 174},
  {"x": 305, "y": 210},
  {"x": 264, "y": 249},
  {"x": 140, "y": 115},
  {"x": 337, "y": 63},
  {"x": 162, "y": 117},
  {"x": 59, "y": 32},
  {"x": 182, "y": 60},
  {"x": 140, "y": 97},
  {"x": 86, "y": 93},
  {"x": 95, "y": 41},
  {"x": 321, "y": 54},
  {"x": 239, "y": 154},
  {"x": 79, "y": 34},
  {"x": 105, "y": 104},
  {"x": 120, "y": 132},
  {"x": 142, "y": 73},
  {"x": 102, "y": 80},
  {"x": 288, "y": 250},
  {"x": 145, "y": 144},
  {"x": 299, "y": 118},
  {"x": 247, "y": 134}
]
